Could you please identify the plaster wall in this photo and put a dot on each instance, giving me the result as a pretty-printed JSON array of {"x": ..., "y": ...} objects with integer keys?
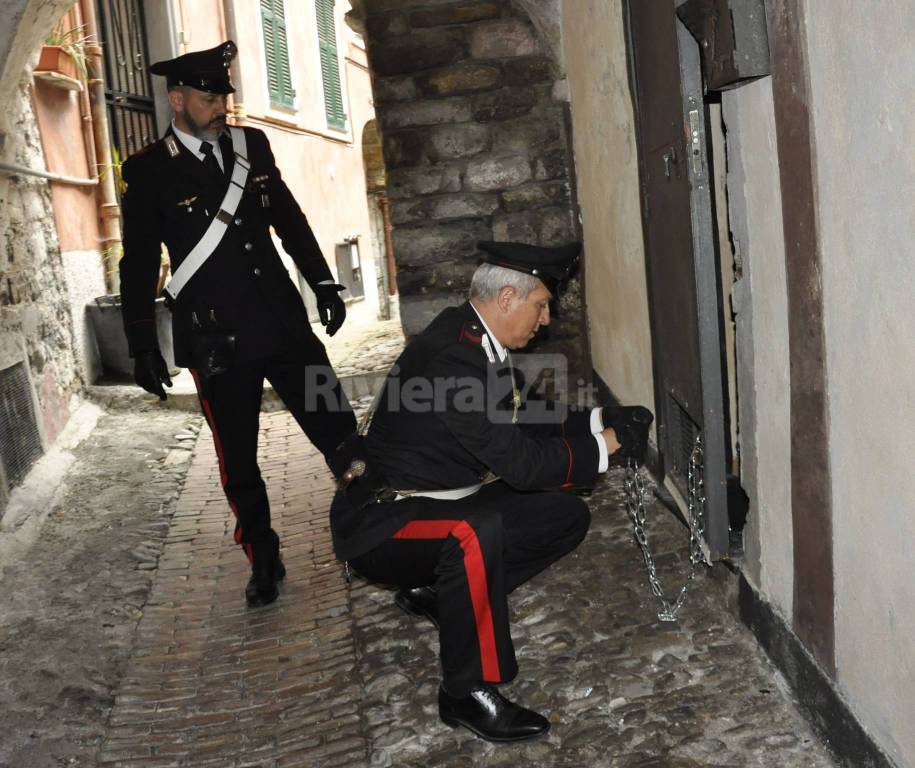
[
  {"x": 162, "y": 36},
  {"x": 84, "y": 277},
  {"x": 75, "y": 211},
  {"x": 307, "y": 112},
  {"x": 323, "y": 167},
  {"x": 863, "y": 106},
  {"x": 201, "y": 24},
  {"x": 760, "y": 305},
  {"x": 35, "y": 316},
  {"x": 606, "y": 164}
]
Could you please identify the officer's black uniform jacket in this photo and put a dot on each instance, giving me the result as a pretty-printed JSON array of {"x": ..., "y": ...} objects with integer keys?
[
  {"x": 455, "y": 442},
  {"x": 243, "y": 286}
]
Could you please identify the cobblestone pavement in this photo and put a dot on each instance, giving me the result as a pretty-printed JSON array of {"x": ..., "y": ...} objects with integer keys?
[
  {"x": 336, "y": 676},
  {"x": 366, "y": 348},
  {"x": 620, "y": 689},
  {"x": 70, "y": 602}
]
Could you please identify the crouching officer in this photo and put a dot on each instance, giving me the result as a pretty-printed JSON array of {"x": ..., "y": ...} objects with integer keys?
[
  {"x": 457, "y": 498},
  {"x": 211, "y": 194}
]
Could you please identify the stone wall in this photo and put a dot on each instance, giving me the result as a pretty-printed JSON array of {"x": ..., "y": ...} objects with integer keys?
[
  {"x": 476, "y": 143},
  {"x": 35, "y": 317}
]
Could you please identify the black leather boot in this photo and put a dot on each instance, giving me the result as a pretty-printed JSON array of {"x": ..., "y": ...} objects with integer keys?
[
  {"x": 266, "y": 571},
  {"x": 419, "y": 601},
  {"x": 490, "y": 715}
]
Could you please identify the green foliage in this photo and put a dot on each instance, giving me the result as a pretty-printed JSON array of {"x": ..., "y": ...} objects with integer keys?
[
  {"x": 115, "y": 167},
  {"x": 74, "y": 42}
]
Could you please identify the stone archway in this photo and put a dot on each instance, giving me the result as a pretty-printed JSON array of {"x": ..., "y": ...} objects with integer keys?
[
  {"x": 476, "y": 136},
  {"x": 26, "y": 22}
]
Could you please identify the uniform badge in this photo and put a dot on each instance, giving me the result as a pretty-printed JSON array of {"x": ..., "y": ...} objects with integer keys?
[
  {"x": 259, "y": 184},
  {"x": 487, "y": 348},
  {"x": 172, "y": 146}
]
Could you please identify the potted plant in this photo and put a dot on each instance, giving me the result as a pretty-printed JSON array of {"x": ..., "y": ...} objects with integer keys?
[{"x": 63, "y": 60}]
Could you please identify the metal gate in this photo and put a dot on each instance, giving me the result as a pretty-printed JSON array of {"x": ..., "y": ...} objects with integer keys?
[{"x": 128, "y": 90}]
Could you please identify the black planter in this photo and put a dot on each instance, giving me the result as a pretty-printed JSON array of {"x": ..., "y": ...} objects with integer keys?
[{"x": 108, "y": 329}]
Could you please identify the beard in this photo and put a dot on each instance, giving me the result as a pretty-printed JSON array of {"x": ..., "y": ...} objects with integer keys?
[{"x": 210, "y": 131}]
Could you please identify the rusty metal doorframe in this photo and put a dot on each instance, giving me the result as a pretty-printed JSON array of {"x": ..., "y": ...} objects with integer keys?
[{"x": 679, "y": 414}]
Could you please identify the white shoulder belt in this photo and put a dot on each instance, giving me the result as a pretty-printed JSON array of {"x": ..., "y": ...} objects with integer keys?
[{"x": 214, "y": 234}]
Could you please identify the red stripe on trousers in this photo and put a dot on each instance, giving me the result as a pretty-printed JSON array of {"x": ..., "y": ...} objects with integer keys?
[
  {"x": 476, "y": 580},
  {"x": 223, "y": 475}
]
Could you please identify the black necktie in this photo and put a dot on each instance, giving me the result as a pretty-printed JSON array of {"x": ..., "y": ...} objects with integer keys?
[{"x": 209, "y": 159}]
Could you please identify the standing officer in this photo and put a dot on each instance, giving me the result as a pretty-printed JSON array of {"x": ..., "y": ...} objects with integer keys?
[
  {"x": 211, "y": 194},
  {"x": 458, "y": 499}
]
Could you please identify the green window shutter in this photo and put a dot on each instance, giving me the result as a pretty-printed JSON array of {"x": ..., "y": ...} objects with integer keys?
[
  {"x": 330, "y": 66},
  {"x": 276, "y": 48}
]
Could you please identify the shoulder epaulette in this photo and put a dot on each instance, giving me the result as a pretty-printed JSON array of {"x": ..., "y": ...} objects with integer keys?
[
  {"x": 471, "y": 333},
  {"x": 147, "y": 149}
]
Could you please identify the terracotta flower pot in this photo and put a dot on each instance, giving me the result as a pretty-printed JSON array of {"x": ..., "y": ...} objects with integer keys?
[{"x": 55, "y": 59}]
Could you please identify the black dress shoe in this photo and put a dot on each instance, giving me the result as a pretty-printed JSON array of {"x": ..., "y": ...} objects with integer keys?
[
  {"x": 490, "y": 715},
  {"x": 261, "y": 589},
  {"x": 258, "y": 595},
  {"x": 419, "y": 601}
]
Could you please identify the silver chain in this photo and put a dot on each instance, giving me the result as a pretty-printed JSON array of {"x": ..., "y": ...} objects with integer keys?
[{"x": 635, "y": 507}]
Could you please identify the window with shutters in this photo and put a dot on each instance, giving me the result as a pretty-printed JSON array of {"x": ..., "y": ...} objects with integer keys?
[
  {"x": 276, "y": 50},
  {"x": 330, "y": 65}
]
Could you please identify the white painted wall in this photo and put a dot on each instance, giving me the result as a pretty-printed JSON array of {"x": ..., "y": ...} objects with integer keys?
[
  {"x": 608, "y": 187},
  {"x": 761, "y": 305},
  {"x": 862, "y": 81},
  {"x": 85, "y": 280}
]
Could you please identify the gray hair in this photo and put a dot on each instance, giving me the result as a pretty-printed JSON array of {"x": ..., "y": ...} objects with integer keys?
[{"x": 489, "y": 279}]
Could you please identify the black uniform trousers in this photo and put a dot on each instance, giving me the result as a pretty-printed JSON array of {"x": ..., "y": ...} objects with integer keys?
[
  {"x": 475, "y": 551},
  {"x": 231, "y": 403}
]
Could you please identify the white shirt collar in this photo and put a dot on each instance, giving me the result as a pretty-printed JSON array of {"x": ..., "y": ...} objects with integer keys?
[
  {"x": 500, "y": 351},
  {"x": 194, "y": 144}
]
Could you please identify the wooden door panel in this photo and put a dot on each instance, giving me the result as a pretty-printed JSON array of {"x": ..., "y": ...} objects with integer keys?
[{"x": 680, "y": 254}]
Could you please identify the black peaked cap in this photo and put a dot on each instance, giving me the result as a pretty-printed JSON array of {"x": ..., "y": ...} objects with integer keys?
[
  {"x": 553, "y": 265},
  {"x": 204, "y": 70}
]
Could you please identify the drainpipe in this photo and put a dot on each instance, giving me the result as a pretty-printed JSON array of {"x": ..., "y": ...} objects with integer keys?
[
  {"x": 108, "y": 200},
  {"x": 85, "y": 117},
  {"x": 238, "y": 100},
  {"x": 385, "y": 206}
]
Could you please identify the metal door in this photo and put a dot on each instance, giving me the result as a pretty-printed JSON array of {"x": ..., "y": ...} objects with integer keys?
[{"x": 681, "y": 254}]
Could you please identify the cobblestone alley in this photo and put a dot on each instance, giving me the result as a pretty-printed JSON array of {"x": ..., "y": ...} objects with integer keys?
[{"x": 143, "y": 654}]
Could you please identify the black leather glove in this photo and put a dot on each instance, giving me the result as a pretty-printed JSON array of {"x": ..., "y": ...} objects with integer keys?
[
  {"x": 151, "y": 372},
  {"x": 631, "y": 424},
  {"x": 331, "y": 308}
]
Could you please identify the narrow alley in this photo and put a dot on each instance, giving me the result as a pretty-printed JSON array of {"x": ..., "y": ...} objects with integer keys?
[
  {"x": 707, "y": 204},
  {"x": 141, "y": 652}
]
